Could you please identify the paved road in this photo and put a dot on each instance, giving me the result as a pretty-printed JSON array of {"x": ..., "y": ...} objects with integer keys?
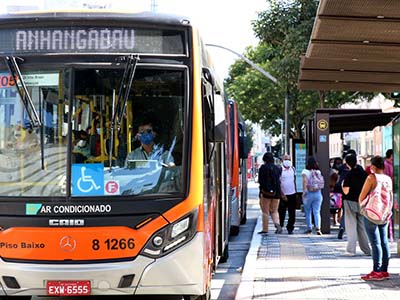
[{"x": 227, "y": 278}]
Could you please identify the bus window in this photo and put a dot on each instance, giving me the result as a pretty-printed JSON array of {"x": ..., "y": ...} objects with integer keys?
[{"x": 27, "y": 171}]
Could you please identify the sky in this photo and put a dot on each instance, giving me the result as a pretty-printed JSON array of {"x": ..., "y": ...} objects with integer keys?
[{"x": 222, "y": 22}]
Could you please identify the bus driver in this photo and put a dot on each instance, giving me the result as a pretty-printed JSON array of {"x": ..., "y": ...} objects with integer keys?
[{"x": 148, "y": 150}]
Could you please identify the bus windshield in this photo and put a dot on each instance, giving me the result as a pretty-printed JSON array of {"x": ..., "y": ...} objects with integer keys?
[{"x": 70, "y": 155}]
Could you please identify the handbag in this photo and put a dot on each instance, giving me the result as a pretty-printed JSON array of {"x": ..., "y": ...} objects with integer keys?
[{"x": 336, "y": 200}]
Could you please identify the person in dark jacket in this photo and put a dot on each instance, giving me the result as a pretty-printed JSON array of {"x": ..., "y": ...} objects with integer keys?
[
  {"x": 270, "y": 192},
  {"x": 352, "y": 186}
]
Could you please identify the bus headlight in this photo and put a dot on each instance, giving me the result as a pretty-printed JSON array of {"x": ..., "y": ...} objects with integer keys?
[
  {"x": 180, "y": 227},
  {"x": 172, "y": 236}
]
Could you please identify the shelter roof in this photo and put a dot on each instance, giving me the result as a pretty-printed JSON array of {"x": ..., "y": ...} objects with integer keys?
[
  {"x": 354, "y": 46},
  {"x": 352, "y": 120}
]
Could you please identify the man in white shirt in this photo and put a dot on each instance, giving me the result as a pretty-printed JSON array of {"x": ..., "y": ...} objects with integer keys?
[{"x": 288, "y": 194}]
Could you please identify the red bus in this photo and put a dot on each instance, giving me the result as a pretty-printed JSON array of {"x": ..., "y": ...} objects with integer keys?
[{"x": 237, "y": 141}]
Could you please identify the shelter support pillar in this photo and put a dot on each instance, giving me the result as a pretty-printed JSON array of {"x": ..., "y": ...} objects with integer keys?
[{"x": 322, "y": 156}]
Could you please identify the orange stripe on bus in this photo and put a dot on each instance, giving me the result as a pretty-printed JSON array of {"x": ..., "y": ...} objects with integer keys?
[{"x": 59, "y": 244}]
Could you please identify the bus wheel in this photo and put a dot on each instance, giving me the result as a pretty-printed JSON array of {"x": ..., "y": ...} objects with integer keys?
[{"x": 235, "y": 230}]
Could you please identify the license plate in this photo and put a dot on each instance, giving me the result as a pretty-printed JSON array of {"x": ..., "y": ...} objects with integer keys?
[{"x": 68, "y": 288}]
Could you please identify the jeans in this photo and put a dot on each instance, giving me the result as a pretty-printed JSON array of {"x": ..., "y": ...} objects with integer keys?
[
  {"x": 342, "y": 222},
  {"x": 312, "y": 204},
  {"x": 378, "y": 237}
]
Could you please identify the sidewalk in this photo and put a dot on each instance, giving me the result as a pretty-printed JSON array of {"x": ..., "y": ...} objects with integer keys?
[{"x": 301, "y": 266}]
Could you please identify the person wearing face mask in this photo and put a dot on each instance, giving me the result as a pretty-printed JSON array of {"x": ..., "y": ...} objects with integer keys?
[
  {"x": 81, "y": 149},
  {"x": 148, "y": 149},
  {"x": 288, "y": 194}
]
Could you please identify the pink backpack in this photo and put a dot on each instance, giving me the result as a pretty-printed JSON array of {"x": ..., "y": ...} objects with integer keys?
[
  {"x": 316, "y": 181},
  {"x": 377, "y": 206}
]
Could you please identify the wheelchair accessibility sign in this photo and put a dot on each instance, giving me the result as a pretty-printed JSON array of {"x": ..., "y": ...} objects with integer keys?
[{"x": 87, "y": 179}]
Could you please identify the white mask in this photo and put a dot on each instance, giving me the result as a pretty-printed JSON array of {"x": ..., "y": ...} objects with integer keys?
[{"x": 287, "y": 163}]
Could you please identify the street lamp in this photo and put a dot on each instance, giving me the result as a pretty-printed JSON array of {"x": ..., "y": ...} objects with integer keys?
[
  {"x": 269, "y": 76},
  {"x": 253, "y": 65}
]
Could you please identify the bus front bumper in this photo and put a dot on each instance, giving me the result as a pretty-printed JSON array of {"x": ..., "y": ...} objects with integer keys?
[{"x": 178, "y": 273}]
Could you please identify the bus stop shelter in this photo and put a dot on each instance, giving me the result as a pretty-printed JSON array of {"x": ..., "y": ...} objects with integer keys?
[
  {"x": 327, "y": 121},
  {"x": 354, "y": 46}
]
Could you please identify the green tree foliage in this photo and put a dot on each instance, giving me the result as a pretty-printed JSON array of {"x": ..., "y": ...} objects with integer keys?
[{"x": 284, "y": 31}]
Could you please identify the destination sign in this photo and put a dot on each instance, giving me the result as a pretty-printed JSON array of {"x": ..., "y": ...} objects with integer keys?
[{"x": 91, "y": 40}]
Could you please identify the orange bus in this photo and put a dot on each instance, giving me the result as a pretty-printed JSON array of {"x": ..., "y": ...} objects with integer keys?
[
  {"x": 113, "y": 147},
  {"x": 237, "y": 141}
]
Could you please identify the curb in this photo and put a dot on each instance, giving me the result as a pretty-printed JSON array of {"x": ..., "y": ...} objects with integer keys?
[{"x": 245, "y": 290}]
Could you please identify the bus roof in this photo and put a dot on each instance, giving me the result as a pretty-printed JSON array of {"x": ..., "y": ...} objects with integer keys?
[{"x": 56, "y": 16}]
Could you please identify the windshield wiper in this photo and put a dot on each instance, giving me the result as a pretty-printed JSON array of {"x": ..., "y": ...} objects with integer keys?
[
  {"x": 23, "y": 91},
  {"x": 123, "y": 95}
]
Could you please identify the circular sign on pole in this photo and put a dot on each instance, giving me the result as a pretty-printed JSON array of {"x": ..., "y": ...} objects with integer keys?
[
  {"x": 112, "y": 187},
  {"x": 322, "y": 125}
]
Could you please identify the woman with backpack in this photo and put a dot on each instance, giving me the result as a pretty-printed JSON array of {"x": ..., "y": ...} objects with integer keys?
[
  {"x": 313, "y": 182},
  {"x": 377, "y": 228},
  {"x": 270, "y": 192}
]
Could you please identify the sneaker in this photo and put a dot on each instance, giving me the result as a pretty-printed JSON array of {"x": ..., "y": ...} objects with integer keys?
[
  {"x": 318, "y": 232},
  {"x": 263, "y": 232},
  {"x": 385, "y": 275},
  {"x": 290, "y": 232},
  {"x": 340, "y": 234},
  {"x": 373, "y": 276},
  {"x": 349, "y": 254},
  {"x": 308, "y": 231}
]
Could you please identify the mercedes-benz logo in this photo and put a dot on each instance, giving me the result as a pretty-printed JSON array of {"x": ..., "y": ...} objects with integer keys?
[{"x": 68, "y": 243}]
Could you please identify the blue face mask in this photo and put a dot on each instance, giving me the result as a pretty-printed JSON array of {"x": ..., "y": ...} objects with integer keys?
[
  {"x": 98, "y": 130},
  {"x": 146, "y": 138}
]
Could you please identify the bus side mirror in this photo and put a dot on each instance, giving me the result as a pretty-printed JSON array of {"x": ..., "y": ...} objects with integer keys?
[
  {"x": 208, "y": 76},
  {"x": 243, "y": 148}
]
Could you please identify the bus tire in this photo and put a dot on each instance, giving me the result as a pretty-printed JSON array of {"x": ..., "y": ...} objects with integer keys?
[
  {"x": 206, "y": 296},
  {"x": 235, "y": 230}
]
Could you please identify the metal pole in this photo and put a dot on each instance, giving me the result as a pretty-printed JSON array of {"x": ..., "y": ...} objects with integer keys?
[
  {"x": 253, "y": 65},
  {"x": 282, "y": 136},
  {"x": 287, "y": 135},
  {"x": 153, "y": 5}
]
